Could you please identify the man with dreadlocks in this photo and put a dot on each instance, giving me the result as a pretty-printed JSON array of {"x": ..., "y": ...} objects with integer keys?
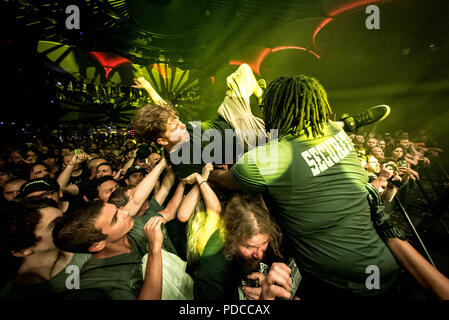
[{"x": 314, "y": 185}]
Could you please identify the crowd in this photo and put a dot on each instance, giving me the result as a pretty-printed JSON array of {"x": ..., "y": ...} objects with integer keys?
[{"x": 138, "y": 226}]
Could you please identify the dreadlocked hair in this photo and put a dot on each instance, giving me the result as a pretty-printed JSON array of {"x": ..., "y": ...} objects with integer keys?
[{"x": 292, "y": 104}]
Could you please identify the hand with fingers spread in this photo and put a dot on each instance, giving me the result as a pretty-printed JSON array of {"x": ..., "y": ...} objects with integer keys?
[
  {"x": 140, "y": 83},
  {"x": 154, "y": 234},
  {"x": 277, "y": 282}
]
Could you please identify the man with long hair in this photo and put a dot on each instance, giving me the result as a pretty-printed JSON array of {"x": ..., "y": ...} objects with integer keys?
[{"x": 246, "y": 239}]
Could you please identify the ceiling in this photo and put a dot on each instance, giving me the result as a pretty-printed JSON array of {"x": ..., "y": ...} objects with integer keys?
[{"x": 404, "y": 63}]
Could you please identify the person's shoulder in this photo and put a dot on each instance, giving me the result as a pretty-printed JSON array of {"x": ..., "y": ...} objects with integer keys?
[
  {"x": 213, "y": 245},
  {"x": 79, "y": 259},
  {"x": 5, "y": 289}
]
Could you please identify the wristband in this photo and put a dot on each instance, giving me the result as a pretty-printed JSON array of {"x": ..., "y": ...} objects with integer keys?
[{"x": 202, "y": 183}]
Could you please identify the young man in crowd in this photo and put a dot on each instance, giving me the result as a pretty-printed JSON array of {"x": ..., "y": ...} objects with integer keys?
[
  {"x": 100, "y": 189},
  {"x": 45, "y": 188},
  {"x": 5, "y": 175},
  {"x": 73, "y": 177},
  {"x": 92, "y": 164},
  {"x": 134, "y": 175},
  {"x": 11, "y": 189},
  {"x": 159, "y": 123},
  {"x": 118, "y": 240},
  {"x": 105, "y": 169},
  {"x": 37, "y": 268}
]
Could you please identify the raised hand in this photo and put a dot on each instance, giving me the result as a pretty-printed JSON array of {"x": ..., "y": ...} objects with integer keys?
[
  {"x": 206, "y": 171},
  {"x": 140, "y": 83},
  {"x": 192, "y": 179},
  {"x": 153, "y": 231},
  {"x": 386, "y": 172}
]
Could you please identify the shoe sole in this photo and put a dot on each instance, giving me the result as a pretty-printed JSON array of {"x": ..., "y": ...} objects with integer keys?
[{"x": 386, "y": 114}]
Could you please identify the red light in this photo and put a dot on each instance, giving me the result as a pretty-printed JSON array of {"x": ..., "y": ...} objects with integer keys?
[
  {"x": 338, "y": 11},
  {"x": 109, "y": 60}
]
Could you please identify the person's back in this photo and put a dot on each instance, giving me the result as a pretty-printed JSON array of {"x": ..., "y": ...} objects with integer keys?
[{"x": 317, "y": 193}]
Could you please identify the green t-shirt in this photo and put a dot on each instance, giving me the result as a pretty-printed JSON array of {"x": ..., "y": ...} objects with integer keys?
[
  {"x": 215, "y": 278},
  {"x": 191, "y": 156},
  {"x": 315, "y": 189},
  {"x": 50, "y": 289},
  {"x": 121, "y": 276}
]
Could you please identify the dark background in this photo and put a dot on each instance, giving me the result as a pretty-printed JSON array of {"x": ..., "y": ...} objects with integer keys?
[{"x": 403, "y": 64}]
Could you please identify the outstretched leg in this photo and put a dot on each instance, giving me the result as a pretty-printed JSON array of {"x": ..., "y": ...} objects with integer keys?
[
  {"x": 236, "y": 109},
  {"x": 372, "y": 115}
]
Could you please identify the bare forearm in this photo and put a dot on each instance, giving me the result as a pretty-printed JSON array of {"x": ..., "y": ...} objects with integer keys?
[
  {"x": 162, "y": 193},
  {"x": 144, "y": 188},
  {"x": 210, "y": 198},
  {"x": 389, "y": 194},
  {"x": 154, "y": 95},
  {"x": 128, "y": 164},
  {"x": 379, "y": 183},
  {"x": 71, "y": 189},
  {"x": 423, "y": 272},
  {"x": 152, "y": 284},
  {"x": 223, "y": 179},
  {"x": 170, "y": 210},
  {"x": 188, "y": 204},
  {"x": 64, "y": 176}
]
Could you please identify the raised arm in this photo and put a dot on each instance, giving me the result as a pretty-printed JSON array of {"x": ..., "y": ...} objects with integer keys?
[
  {"x": 152, "y": 284},
  {"x": 424, "y": 273},
  {"x": 412, "y": 159},
  {"x": 142, "y": 83},
  {"x": 169, "y": 212},
  {"x": 213, "y": 207},
  {"x": 129, "y": 163},
  {"x": 211, "y": 201},
  {"x": 64, "y": 176},
  {"x": 167, "y": 184},
  {"x": 144, "y": 188},
  {"x": 188, "y": 204},
  {"x": 223, "y": 179}
]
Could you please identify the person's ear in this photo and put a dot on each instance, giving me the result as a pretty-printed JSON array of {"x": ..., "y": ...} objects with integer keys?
[
  {"x": 22, "y": 253},
  {"x": 162, "y": 141},
  {"x": 97, "y": 246}
]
